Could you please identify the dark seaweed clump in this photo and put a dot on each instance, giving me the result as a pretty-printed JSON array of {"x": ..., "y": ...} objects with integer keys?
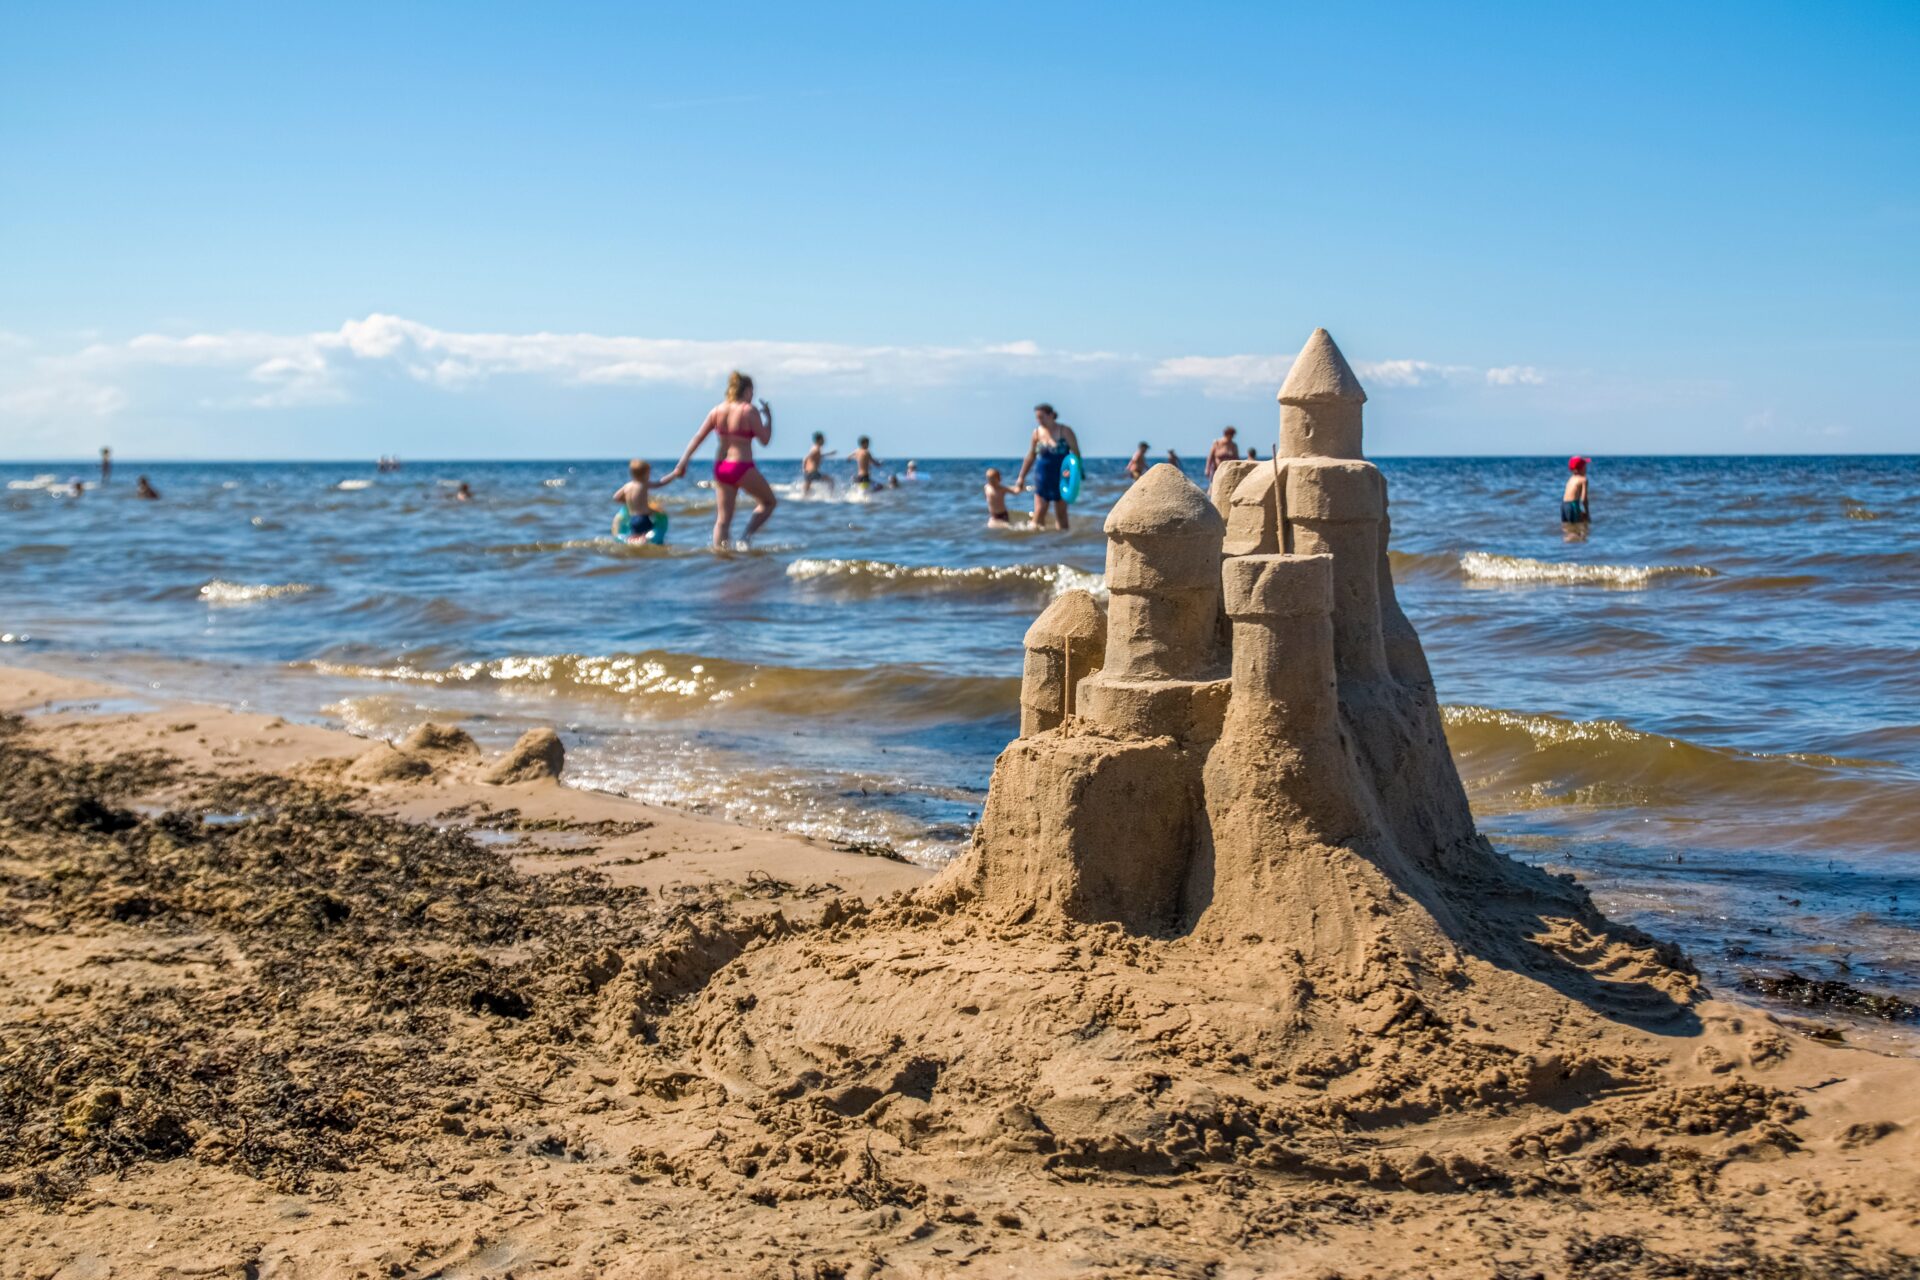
[
  {"x": 1827, "y": 996},
  {"x": 300, "y": 969}
]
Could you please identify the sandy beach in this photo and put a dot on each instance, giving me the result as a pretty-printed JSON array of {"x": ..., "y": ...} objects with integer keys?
[{"x": 278, "y": 1000}]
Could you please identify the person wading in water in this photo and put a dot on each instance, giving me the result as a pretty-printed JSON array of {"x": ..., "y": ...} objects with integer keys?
[
  {"x": 739, "y": 426},
  {"x": 1047, "y": 451}
]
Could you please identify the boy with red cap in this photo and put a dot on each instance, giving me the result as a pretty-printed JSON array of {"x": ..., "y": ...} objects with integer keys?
[{"x": 1573, "y": 502}]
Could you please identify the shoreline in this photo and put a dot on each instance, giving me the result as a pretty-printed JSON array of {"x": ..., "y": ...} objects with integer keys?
[{"x": 669, "y": 848}]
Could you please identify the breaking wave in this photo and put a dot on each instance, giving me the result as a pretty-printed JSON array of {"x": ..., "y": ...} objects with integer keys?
[
  {"x": 672, "y": 683},
  {"x": 1484, "y": 566},
  {"x": 876, "y": 577},
  {"x": 222, "y": 592},
  {"x": 1516, "y": 760}
]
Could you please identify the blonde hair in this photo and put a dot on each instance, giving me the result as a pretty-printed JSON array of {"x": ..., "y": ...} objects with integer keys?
[
  {"x": 639, "y": 468},
  {"x": 739, "y": 386}
]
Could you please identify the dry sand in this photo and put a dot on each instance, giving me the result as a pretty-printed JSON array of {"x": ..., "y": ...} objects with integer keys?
[{"x": 274, "y": 1001}]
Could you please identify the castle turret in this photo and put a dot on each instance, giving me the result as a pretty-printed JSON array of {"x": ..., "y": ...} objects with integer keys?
[
  {"x": 1065, "y": 643},
  {"x": 1323, "y": 498},
  {"x": 1320, "y": 403},
  {"x": 1163, "y": 667}
]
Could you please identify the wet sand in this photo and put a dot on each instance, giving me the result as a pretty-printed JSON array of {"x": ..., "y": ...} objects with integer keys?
[{"x": 271, "y": 1011}]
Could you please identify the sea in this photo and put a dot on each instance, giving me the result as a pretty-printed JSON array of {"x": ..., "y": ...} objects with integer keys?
[{"x": 1706, "y": 705}]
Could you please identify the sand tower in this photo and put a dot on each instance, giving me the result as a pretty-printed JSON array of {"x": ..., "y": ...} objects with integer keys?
[{"x": 1260, "y": 753}]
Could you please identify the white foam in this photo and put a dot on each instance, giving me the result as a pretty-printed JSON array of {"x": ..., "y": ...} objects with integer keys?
[
  {"x": 222, "y": 592},
  {"x": 1484, "y": 566},
  {"x": 1059, "y": 577}
]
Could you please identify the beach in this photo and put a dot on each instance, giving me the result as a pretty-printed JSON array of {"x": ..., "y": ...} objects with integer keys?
[{"x": 302, "y": 1022}]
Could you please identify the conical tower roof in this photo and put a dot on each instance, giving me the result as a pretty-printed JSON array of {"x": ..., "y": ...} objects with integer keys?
[
  {"x": 1164, "y": 503},
  {"x": 1074, "y": 616},
  {"x": 1319, "y": 373}
]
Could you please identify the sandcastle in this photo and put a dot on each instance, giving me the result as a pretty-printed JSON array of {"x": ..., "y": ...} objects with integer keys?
[{"x": 1248, "y": 742}]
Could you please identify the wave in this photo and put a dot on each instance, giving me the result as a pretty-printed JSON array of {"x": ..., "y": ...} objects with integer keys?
[
  {"x": 1484, "y": 566},
  {"x": 222, "y": 592},
  {"x": 1428, "y": 563},
  {"x": 1518, "y": 760},
  {"x": 669, "y": 683},
  {"x": 878, "y": 577}
]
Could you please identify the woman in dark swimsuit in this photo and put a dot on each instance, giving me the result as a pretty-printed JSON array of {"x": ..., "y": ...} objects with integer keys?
[
  {"x": 1047, "y": 451},
  {"x": 739, "y": 425}
]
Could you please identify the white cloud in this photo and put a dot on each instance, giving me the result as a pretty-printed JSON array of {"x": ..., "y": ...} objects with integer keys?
[
  {"x": 1408, "y": 373},
  {"x": 268, "y": 370},
  {"x": 1515, "y": 375},
  {"x": 1222, "y": 375},
  {"x": 1241, "y": 375}
]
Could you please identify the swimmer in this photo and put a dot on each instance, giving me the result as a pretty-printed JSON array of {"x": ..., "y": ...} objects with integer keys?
[
  {"x": 863, "y": 464},
  {"x": 464, "y": 493},
  {"x": 1224, "y": 450},
  {"x": 739, "y": 426},
  {"x": 810, "y": 465},
  {"x": 1047, "y": 449},
  {"x": 913, "y": 471},
  {"x": 997, "y": 492},
  {"x": 1573, "y": 499},
  {"x": 637, "y": 496},
  {"x": 1137, "y": 464},
  {"x": 143, "y": 488}
]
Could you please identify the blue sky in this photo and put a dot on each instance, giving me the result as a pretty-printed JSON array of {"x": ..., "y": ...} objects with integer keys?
[{"x": 499, "y": 231}]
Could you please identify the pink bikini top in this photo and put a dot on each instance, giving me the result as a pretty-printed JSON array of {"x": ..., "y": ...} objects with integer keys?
[{"x": 750, "y": 419}]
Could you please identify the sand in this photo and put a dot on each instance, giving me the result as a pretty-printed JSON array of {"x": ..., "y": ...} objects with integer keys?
[{"x": 263, "y": 1019}]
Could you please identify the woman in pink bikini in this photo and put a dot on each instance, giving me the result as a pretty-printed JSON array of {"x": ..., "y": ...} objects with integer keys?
[{"x": 738, "y": 424}]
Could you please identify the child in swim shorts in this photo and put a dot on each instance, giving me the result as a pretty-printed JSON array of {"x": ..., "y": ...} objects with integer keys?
[{"x": 636, "y": 495}]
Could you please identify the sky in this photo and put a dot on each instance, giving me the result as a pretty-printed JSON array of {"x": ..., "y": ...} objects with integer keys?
[{"x": 496, "y": 231}]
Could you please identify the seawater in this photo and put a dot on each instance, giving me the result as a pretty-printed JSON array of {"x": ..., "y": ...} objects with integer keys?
[{"x": 1708, "y": 707}]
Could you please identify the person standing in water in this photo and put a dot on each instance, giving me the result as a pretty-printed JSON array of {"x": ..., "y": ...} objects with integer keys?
[
  {"x": 863, "y": 464},
  {"x": 739, "y": 426},
  {"x": 1173, "y": 457},
  {"x": 810, "y": 465},
  {"x": 1047, "y": 449},
  {"x": 636, "y": 500},
  {"x": 1573, "y": 499},
  {"x": 143, "y": 488},
  {"x": 106, "y": 465},
  {"x": 1224, "y": 450},
  {"x": 997, "y": 492},
  {"x": 1137, "y": 464}
]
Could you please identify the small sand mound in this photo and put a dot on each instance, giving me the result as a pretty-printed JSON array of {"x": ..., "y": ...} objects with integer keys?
[
  {"x": 432, "y": 738},
  {"x": 538, "y": 754},
  {"x": 383, "y": 764}
]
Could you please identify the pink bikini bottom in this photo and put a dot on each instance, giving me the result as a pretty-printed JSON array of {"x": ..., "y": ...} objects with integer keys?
[{"x": 732, "y": 471}]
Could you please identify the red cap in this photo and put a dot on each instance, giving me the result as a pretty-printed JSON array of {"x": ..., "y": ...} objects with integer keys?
[{"x": 1577, "y": 463}]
